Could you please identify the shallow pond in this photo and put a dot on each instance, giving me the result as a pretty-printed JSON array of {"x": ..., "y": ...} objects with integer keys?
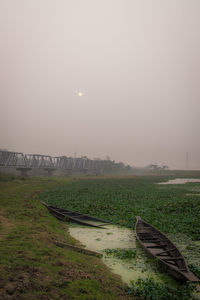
[
  {"x": 114, "y": 237},
  {"x": 180, "y": 181}
]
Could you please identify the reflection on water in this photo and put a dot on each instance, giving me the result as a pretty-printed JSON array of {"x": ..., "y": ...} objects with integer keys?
[
  {"x": 180, "y": 181},
  {"x": 111, "y": 238}
]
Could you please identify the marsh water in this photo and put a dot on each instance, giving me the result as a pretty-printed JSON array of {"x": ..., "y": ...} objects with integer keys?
[
  {"x": 114, "y": 237},
  {"x": 180, "y": 181}
]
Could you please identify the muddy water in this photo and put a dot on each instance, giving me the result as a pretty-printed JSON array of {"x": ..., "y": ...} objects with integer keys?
[
  {"x": 180, "y": 181},
  {"x": 113, "y": 237}
]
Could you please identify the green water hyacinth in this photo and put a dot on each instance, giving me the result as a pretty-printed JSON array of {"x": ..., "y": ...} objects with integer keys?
[{"x": 121, "y": 253}]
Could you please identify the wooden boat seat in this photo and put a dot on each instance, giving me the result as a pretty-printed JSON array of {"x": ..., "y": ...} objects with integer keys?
[
  {"x": 166, "y": 251},
  {"x": 152, "y": 240},
  {"x": 171, "y": 258},
  {"x": 151, "y": 245},
  {"x": 145, "y": 231}
]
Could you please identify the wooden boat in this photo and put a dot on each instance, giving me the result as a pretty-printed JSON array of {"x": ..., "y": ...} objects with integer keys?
[
  {"x": 160, "y": 247},
  {"x": 76, "y": 217}
]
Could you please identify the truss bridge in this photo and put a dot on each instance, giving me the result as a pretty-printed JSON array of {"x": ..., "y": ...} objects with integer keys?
[{"x": 26, "y": 162}]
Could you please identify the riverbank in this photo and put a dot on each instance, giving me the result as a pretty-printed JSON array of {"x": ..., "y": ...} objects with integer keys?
[{"x": 32, "y": 266}]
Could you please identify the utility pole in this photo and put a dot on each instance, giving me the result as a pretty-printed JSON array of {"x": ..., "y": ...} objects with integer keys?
[{"x": 187, "y": 162}]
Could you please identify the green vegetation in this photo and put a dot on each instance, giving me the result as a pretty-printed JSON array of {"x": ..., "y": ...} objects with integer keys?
[
  {"x": 149, "y": 289},
  {"x": 121, "y": 253},
  {"x": 168, "y": 207},
  {"x": 32, "y": 266},
  {"x": 195, "y": 269}
]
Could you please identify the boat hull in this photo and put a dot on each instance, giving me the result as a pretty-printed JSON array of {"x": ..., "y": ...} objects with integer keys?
[
  {"x": 75, "y": 217},
  {"x": 158, "y": 246}
]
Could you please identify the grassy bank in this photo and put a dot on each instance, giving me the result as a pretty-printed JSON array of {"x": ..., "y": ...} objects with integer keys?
[{"x": 31, "y": 265}]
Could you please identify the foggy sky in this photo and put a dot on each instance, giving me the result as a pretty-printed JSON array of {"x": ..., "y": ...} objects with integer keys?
[{"x": 137, "y": 63}]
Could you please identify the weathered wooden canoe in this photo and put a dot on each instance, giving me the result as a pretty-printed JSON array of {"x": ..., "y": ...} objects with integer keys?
[
  {"x": 68, "y": 215},
  {"x": 160, "y": 247}
]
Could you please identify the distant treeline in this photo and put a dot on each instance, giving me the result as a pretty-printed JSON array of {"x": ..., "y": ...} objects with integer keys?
[{"x": 108, "y": 166}]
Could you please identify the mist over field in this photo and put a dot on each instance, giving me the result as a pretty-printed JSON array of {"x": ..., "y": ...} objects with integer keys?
[{"x": 102, "y": 78}]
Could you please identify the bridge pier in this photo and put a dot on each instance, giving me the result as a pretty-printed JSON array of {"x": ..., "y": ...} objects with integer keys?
[
  {"x": 67, "y": 171},
  {"x": 84, "y": 171},
  {"x": 24, "y": 171},
  {"x": 97, "y": 172},
  {"x": 49, "y": 171}
]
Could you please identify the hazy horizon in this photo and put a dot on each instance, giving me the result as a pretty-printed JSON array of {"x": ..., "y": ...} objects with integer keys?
[{"x": 136, "y": 63}]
